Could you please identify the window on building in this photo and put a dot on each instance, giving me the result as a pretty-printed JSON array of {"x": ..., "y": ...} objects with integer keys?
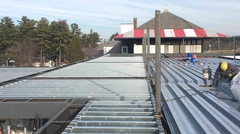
[{"x": 124, "y": 49}]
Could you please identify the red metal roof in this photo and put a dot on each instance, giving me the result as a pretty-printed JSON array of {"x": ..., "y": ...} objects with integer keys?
[{"x": 171, "y": 33}]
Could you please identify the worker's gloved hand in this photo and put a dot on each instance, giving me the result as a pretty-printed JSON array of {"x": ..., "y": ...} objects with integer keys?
[{"x": 229, "y": 75}]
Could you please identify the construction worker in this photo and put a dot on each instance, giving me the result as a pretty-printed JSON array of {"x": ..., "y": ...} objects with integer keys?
[{"x": 225, "y": 72}]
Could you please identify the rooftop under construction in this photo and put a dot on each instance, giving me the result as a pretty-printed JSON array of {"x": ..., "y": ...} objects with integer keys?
[
  {"x": 119, "y": 93},
  {"x": 113, "y": 94}
]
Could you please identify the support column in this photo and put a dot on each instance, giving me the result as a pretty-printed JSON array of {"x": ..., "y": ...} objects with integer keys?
[
  {"x": 158, "y": 63},
  {"x": 148, "y": 54},
  {"x": 183, "y": 48},
  {"x": 144, "y": 49},
  {"x": 179, "y": 47}
]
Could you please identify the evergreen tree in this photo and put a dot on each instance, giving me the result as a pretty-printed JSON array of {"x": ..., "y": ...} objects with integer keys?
[
  {"x": 7, "y": 37},
  {"x": 43, "y": 38},
  {"x": 60, "y": 39},
  {"x": 85, "y": 40},
  {"x": 75, "y": 52},
  {"x": 29, "y": 41},
  {"x": 75, "y": 29},
  {"x": 27, "y": 29},
  {"x": 27, "y": 37},
  {"x": 113, "y": 35},
  {"x": 93, "y": 38}
]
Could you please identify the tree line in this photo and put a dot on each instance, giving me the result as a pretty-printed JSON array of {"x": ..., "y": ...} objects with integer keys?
[{"x": 31, "y": 41}]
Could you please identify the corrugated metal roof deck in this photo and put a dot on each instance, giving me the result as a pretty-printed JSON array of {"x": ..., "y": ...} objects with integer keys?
[
  {"x": 13, "y": 73},
  {"x": 188, "y": 107},
  {"x": 121, "y": 98}
]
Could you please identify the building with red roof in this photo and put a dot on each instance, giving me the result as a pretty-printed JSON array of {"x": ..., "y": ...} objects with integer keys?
[{"x": 177, "y": 36}]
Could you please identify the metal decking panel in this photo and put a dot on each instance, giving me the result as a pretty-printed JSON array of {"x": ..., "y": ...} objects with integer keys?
[
  {"x": 190, "y": 108},
  {"x": 117, "y": 86},
  {"x": 130, "y": 67},
  {"x": 108, "y": 59},
  {"x": 13, "y": 73},
  {"x": 115, "y": 121},
  {"x": 100, "y": 89}
]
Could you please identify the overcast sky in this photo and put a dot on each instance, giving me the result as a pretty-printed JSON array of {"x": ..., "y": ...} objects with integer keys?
[{"x": 106, "y": 16}]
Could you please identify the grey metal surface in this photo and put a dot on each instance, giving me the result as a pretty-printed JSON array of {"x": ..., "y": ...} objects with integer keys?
[
  {"x": 98, "y": 89},
  {"x": 18, "y": 109},
  {"x": 13, "y": 73},
  {"x": 175, "y": 70},
  {"x": 30, "y": 108},
  {"x": 115, "y": 117},
  {"x": 120, "y": 95},
  {"x": 92, "y": 69},
  {"x": 130, "y": 109},
  {"x": 102, "y": 67},
  {"x": 127, "y": 105},
  {"x": 188, "y": 107},
  {"x": 108, "y": 59}
]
